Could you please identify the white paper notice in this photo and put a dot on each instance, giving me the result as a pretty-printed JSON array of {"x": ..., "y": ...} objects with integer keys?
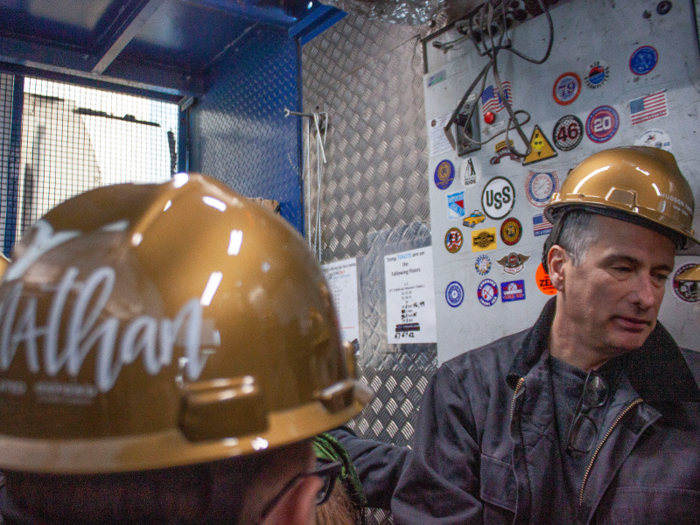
[
  {"x": 342, "y": 279},
  {"x": 436, "y": 135},
  {"x": 410, "y": 297}
]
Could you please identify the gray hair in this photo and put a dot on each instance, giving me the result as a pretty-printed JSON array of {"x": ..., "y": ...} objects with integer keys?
[{"x": 578, "y": 231}]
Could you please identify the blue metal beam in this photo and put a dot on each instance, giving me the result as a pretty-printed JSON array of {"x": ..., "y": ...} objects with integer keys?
[
  {"x": 123, "y": 31},
  {"x": 13, "y": 165},
  {"x": 329, "y": 20},
  {"x": 69, "y": 62},
  {"x": 265, "y": 15}
]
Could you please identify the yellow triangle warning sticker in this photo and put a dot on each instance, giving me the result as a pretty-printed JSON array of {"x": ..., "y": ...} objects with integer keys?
[{"x": 541, "y": 148}]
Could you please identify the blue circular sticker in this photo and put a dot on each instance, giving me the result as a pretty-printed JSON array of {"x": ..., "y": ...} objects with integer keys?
[
  {"x": 487, "y": 292},
  {"x": 482, "y": 265},
  {"x": 602, "y": 124},
  {"x": 454, "y": 295},
  {"x": 643, "y": 60},
  {"x": 444, "y": 174}
]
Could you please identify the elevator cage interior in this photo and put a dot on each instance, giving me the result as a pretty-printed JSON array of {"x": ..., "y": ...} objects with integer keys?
[{"x": 109, "y": 91}]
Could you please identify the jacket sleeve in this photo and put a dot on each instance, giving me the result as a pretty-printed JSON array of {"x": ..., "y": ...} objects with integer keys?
[
  {"x": 378, "y": 465},
  {"x": 440, "y": 483}
]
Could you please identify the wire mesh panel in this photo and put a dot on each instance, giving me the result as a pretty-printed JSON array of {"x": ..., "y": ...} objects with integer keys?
[{"x": 75, "y": 138}]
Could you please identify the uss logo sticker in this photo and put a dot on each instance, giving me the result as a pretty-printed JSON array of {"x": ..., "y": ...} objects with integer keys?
[{"x": 498, "y": 198}]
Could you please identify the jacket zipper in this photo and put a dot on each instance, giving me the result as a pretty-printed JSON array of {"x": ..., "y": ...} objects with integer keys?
[
  {"x": 602, "y": 442},
  {"x": 521, "y": 381}
]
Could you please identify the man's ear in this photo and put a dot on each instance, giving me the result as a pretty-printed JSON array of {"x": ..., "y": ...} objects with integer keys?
[
  {"x": 556, "y": 261},
  {"x": 298, "y": 505}
]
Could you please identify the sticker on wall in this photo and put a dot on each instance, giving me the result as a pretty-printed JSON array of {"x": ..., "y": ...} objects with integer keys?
[
  {"x": 543, "y": 282},
  {"x": 437, "y": 78},
  {"x": 602, "y": 124},
  {"x": 643, "y": 60},
  {"x": 474, "y": 218},
  {"x": 482, "y": 265},
  {"x": 654, "y": 138},
  {"x": 512, "y": 291},
  {"x": 567, "y": 133},
  {"x": 649, "y": 107},
  {"x": 487, "y": 292},
  {"x": 598, "y": 74},
  {"x": 539, "y": 187},
  {"x": 491, "y": 99},
  {"x": 541, "y": 148},
  {"x": 453, "y": 240},
  {"x": 454, "y": 294},
  {"x": 498, "y": 198},
  {"x": 686, "y": 291},
  {"x": 483, "y": 240},
  {"x": 444, "y": 174},
  {"x": 511, "y": 231},
  {"x": 470, "y": 171},
  {"x": 513, "y": 262},
  {"x": 503, "y": 151},
  {"x": 566, "y": 88},
  {"x": 455, "y": 205},
  {"x": 541, "y": 226}
]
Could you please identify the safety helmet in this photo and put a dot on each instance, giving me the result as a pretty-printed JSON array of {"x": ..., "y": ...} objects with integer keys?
[
  {"x": 634, "y": 183},
  {"x": 691, "y": 274},
  {"x": 162, "y": 325}
]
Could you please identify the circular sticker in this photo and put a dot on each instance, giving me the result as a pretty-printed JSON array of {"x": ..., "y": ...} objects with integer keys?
[
  {"x": 566, "y": 88},
  {"x": 453, "y": 240},
  {"x": 568, "y": 133},
  {"x": 482, "y": 264},
  {"x": 686, "y": 291},
  {"x": 511, "y": 231},
  {"x": 602, "y": 124},
  {"x": 540, "y": 186},
  {"x": 444, "y": 174},
  {"x": 454, "y": 295},
  {"x": 664, "y": 7},
  {"x": 598, "y": 74},
  {"x": 498, "y": 198},
  {"x": 643, "y": 60},
  {"x": 487, "y": 292},
  {"x": 543, "y": 282},
  {"x": 654, "y": 138}
]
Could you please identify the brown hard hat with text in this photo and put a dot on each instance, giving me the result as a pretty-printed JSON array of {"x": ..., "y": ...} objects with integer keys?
[
  {"x": 161, "y": 325},
  {"x": 639, "y": 182}
]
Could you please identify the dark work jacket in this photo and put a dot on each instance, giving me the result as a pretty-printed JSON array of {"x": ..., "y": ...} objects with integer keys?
[
  {"x": 378, "y": 465},
  {"x": 486, "y": 438}
]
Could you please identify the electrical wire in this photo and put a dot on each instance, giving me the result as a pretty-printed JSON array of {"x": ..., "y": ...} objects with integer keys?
[{"x": 487, "y": 18}]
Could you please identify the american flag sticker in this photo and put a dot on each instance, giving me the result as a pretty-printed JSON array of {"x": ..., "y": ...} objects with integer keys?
[
  {"x": 491, "y": 100},
  {"x": 649, "y": 107},
  {"x": 541, "y": 225}
]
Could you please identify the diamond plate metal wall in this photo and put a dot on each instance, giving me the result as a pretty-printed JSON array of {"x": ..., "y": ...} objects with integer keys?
[
  {"x": 367, "y": 76},
  {"x": 239, "y": 133}
]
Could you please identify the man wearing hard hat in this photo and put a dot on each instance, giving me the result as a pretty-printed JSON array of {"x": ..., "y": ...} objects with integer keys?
[
  {"x": 593, "y": 414},
  {"x": 166, "y": 354}
]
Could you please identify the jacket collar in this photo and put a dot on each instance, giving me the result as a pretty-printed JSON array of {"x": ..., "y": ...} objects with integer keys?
[{"x": 657, "y": 370}]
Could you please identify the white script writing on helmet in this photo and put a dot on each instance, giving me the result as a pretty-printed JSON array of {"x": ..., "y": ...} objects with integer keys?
[{"x": 152, "y": 339}]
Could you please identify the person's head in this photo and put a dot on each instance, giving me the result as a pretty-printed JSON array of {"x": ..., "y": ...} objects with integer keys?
[
  {"x": 166, "y": 353},
  {"x": 619, "y": 219}
]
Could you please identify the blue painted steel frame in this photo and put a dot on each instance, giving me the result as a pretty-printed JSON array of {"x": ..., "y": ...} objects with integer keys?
[
  {"x": 238, "y": 131},
  {"x": 13, "y": 165}
]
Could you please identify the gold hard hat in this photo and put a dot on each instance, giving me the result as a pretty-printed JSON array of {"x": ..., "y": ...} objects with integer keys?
[
  {"x": 691, "y": 274},
  {"x": 636, "y": 183},
  {"x": 153, "y": 326}
]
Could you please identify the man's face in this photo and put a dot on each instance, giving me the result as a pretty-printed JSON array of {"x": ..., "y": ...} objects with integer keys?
[{"x": 612, "y": 298}]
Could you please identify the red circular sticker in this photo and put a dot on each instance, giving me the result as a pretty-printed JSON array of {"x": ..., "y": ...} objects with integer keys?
[
  {"x": 543, "y": 282},
  {"x": 511, "y": 231},
  {"x": 686, "y": 291},
  {"x": 566, "y": 88}
]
